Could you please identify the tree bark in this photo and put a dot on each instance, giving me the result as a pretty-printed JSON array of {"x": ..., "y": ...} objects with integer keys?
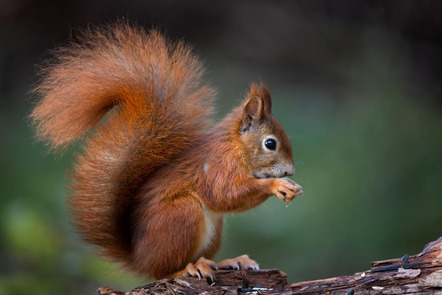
[{"x": 417, "y": 274}]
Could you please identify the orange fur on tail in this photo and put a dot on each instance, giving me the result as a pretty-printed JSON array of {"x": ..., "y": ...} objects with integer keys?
[{"x": 146, "y": 81}]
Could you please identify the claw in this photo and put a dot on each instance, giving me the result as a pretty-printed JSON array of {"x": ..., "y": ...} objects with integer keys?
[{"x": 211, "y": 277}]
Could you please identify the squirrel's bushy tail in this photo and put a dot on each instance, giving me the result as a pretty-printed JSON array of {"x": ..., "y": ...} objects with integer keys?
[{"x": 155, "y": 105}]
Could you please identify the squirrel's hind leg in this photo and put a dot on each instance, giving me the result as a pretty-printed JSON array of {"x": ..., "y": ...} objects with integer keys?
[{"x": 167, "y": 236}]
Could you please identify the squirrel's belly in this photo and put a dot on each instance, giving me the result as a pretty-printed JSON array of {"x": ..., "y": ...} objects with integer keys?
[{"x": 208, "y": 233}]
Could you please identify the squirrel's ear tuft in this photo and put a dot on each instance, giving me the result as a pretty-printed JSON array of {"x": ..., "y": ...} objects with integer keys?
[{"x": 267, "y": 99}]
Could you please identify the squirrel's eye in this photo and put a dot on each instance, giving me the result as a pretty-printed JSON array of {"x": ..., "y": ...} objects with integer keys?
[{"x": 270, "y": 143}]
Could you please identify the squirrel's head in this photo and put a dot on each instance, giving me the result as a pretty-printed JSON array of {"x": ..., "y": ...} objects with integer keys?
[{"x": 267, "y": 148}]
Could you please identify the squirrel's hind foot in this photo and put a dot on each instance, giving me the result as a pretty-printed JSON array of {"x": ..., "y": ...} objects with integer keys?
[
  {"x": 240, "y": 262},
  {"x": 202, "y": 268}
]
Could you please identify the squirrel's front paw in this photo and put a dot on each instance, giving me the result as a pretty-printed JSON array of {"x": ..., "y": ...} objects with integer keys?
[{"x": 286, "y": 189}]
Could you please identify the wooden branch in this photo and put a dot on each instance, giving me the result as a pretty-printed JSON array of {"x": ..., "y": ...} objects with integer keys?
[
  {"x": 417, "y": 274},
  {"x": 421, "y": 273}
]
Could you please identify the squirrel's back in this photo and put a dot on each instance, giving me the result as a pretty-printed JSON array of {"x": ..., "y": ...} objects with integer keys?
[{"x": 150, "y": 91}]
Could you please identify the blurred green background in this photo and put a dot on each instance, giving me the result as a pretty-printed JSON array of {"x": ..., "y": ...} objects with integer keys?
[{"x": 356, "y": 84}]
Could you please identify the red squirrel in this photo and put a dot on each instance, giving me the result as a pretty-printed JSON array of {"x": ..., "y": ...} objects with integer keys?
[{"x": 153, "y": 183}]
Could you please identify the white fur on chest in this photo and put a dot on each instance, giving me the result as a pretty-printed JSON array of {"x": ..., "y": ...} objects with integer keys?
[{"x": 211, "y": 219}]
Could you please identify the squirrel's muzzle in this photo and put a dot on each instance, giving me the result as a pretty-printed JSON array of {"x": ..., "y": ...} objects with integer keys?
[{"x": 276, "y": 171}]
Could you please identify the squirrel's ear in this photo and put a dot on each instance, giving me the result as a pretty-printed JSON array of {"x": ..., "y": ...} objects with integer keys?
[
  {"x": 254, "y": 108},
  {"x": 253, "y": 111},
  {"x": 261, "y": 91}
]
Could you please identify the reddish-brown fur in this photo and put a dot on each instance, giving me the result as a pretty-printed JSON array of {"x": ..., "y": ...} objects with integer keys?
[{"x": 151, "y": 174}]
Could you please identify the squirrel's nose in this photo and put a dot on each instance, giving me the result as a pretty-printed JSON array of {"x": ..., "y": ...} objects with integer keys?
[{"x": 289, "y": 170}]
